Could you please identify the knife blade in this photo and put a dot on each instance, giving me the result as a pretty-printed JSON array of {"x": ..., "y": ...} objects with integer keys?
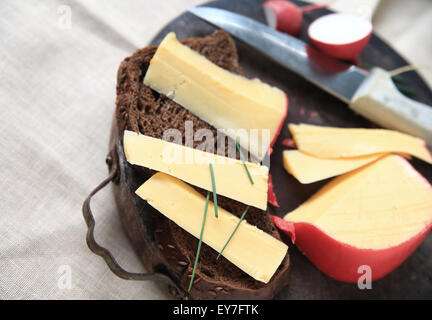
[
  {"x": 286, "y": 50},
  {"x": 370, "y": 94}
]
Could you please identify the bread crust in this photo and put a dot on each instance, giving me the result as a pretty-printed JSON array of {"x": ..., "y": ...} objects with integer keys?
[{"x": 161, "y": 245}]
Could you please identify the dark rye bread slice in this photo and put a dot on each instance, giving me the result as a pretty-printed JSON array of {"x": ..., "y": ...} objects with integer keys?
[{"x": 143, "y": 110}]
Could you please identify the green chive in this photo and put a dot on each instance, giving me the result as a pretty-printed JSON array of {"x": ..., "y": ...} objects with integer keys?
[
  {"x": 397, "y": 78},
  {"x": 214, "y": 190},
  {"x": 200, "y": 241},
  {"x": 244, "y": 163},
  {"x": 406, "y": 90},
  {"x": 235, "y": 229}
]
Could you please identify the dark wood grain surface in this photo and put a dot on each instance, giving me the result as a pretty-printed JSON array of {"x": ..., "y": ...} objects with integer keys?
[{"x": 308, "y": 104}]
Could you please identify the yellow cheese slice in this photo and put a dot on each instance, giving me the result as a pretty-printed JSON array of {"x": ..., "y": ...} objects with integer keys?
[
  {"x": 330, "y": 142},
  {"x": 223, "y": 99},
  {"x": 251, "y": 249},
  {"x": 192, "y": 165},
  {"x": 308, "y": 169},
  {"x": 375, "y": 207}
]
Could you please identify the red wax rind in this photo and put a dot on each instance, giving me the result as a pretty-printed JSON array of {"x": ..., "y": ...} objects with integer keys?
[
  {"x": 342, "y": 261},
  {"x": 285, "y": 226},
  {"x": 271, "y": 197},
  {"x": 289, "y": 142},
  {"x": 289, "y": 17}
]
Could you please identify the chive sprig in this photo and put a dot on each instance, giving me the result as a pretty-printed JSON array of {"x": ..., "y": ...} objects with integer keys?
[
  {"x": 200, "y": 241},
  {"x": 214, "y": 190},
  {"x": 216, "y": 214},
  {"x": 235, "y": 229},
  {"x": 244, "y": 162}
]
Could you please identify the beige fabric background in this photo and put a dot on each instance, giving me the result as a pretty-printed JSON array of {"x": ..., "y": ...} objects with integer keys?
[{"x": 57, "y": 98}]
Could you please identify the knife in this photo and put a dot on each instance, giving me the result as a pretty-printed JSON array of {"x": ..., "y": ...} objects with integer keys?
[{"x": 370, "y": 94}]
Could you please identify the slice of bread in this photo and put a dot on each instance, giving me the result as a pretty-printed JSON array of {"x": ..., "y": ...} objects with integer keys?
[{"x": 141, "y": 109}]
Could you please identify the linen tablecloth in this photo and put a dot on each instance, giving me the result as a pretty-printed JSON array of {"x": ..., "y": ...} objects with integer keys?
[{"x": 58, "y": 64}]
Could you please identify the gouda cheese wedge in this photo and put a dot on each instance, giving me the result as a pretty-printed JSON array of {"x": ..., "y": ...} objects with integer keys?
[
  {"x": 308, "y": 169},
  {"x": 223, "y": 99},
  {"x": 329, "y": 142},
  {"x": 251, "y": 249},
  {"x": 377, "y": 206},
  {"x": 192, "y": 165}
]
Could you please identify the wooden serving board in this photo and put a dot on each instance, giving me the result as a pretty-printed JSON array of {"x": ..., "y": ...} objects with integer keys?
[{"x": 308, "y": 104}]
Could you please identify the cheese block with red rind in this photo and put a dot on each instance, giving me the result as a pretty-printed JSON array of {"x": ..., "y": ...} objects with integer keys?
[
  {"x": 340, "y": 228},
  {"x": 342, "y": 261}
]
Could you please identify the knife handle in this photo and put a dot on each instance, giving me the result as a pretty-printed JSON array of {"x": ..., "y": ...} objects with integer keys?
[{"x": 379, "y": 100}]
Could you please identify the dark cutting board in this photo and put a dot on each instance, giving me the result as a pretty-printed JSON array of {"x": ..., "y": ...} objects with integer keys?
[{"x": 413, "y": 279}]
